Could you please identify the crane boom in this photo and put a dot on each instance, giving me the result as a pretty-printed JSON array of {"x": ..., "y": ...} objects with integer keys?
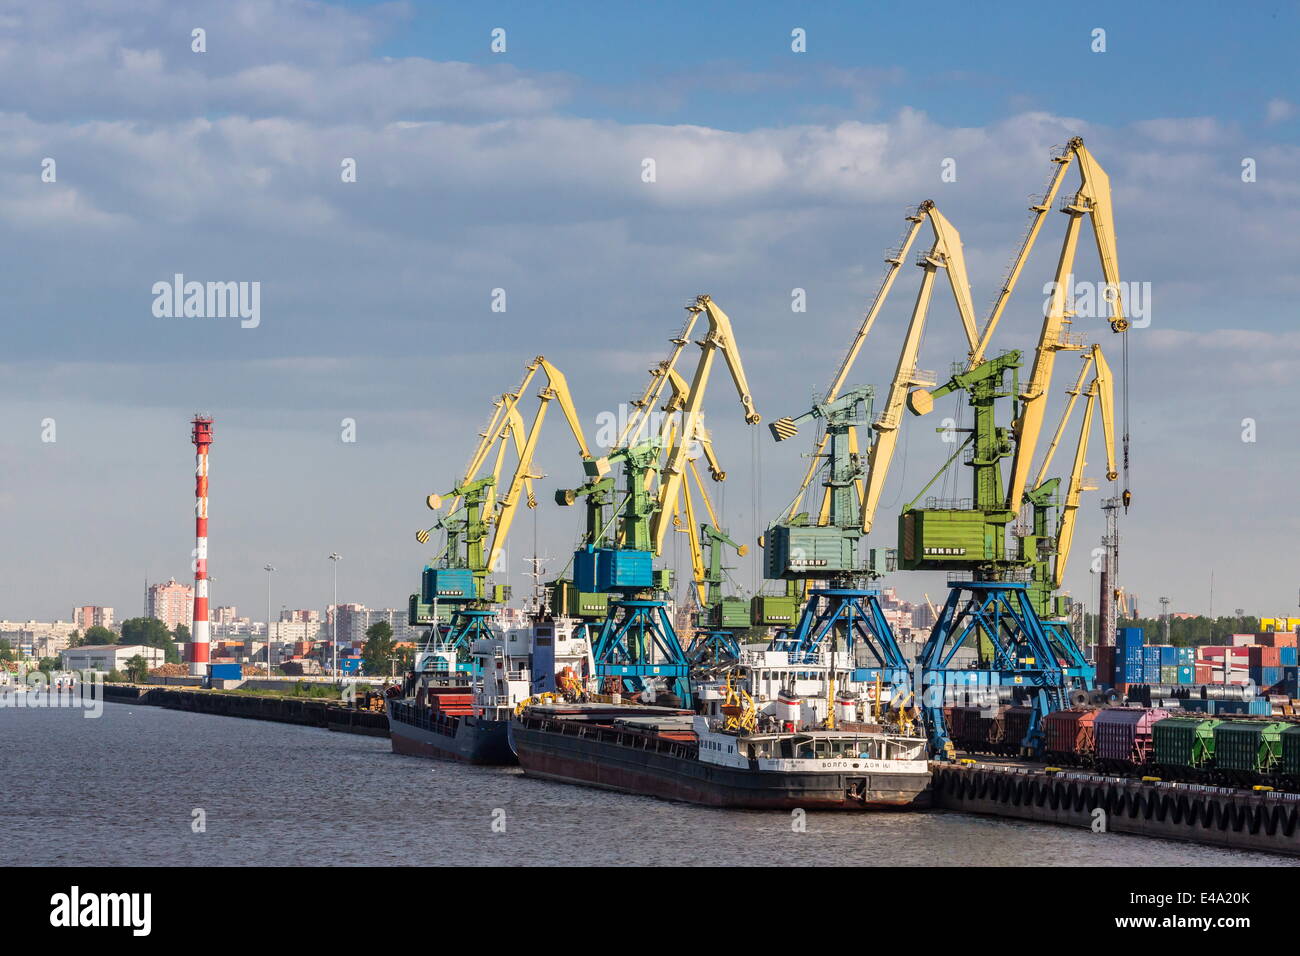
[
  {"x": 556, "y": 388},
  {"x": 946, "y": 253},
  {"x": 893, "y": 262},
  {"x": 719, "y": 338},
  {"x": 1092, "y": 200}
]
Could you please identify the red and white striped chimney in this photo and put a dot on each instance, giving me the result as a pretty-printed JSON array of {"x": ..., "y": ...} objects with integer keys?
[{"x": 197, "y": 652}]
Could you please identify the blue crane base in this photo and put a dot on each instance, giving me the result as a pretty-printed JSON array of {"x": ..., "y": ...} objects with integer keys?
[
  {"x": 1014, "y": 648},
  {"x": 467, "y": 626},
  {"x": 714, "y": 647},
  {"x": 638, "y": 644},
  {"x": 856, "y": 619}
]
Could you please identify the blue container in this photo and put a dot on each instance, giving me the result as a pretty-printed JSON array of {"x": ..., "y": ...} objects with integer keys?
[
  {"x": 1186, "y": 674},
  {"x": 350, "y": 665},
  {"x": 1128, "y": 637},
  {"x": 1186, "y": 655},
  {"x": 584, "y": 570},
  {"x": 1288, "y": 654},
  {"x": 616, "y": 570},
  {"x": 225, "y": 672},
  {"x": 1151, "y": 673},
  {"x": 1266, "y": 677},
  {"x": 447, "y": 585},
  {"x": 1151, "y": 655},
  {"x": 1131, "y": 673},
  {"x": 1259, "y": 707},
  {"x": 1168, "y": 655}
]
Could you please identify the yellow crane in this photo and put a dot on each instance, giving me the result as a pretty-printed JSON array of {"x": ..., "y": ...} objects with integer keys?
[
  {"x": 945, "y": 253},
  {"x": 1092, "y": 200},
  {"x": 719, "y": 339},
  {"x": 488, "y": 510},
  {"x": 1100, "y": 392}
]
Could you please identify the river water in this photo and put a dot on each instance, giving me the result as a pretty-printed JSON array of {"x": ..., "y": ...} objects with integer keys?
[{"x": 125, "y": 788}]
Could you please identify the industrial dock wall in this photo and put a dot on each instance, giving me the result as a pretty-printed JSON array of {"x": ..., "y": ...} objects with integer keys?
[
  {"x": 285, "y": 710},
  {"x": 1217, "y": 816}
]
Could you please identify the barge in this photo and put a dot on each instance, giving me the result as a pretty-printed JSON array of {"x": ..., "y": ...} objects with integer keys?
[
  {"x": 452, "y": 709},
  {"x": 678, "y": 755}
]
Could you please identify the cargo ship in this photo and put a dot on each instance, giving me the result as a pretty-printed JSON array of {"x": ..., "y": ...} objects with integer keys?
[
  {"x": 676, "y": 754},
  {"x": 451, "y": 711}
]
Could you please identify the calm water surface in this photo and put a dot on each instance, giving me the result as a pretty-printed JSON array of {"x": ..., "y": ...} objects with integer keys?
[{"x": 122, "y": 789}]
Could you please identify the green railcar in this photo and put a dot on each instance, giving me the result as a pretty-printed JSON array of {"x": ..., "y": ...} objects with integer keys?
[
  {"x": 1291, "y": 751},
  {"x": 1248, "y": 746},
  {"x": 1184, "y": 742}
]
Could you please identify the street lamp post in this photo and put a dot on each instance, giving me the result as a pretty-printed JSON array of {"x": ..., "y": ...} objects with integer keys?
[
  {"x": 268, "y": 569},
  {"x": 335, "y": 557}
]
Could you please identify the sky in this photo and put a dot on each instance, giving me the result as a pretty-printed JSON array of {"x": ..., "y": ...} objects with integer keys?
[{"x": 522, "y": 170}]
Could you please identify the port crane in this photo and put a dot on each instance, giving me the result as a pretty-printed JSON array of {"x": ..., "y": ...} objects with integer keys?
[
  {"x": 1007, "y": 609},
  {"x": 458, "y": 575},
  {"x": 798, "y": 549},
  {"x": 637, "y": 641}
]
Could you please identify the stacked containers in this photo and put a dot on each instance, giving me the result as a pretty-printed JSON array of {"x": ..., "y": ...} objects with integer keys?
[
  {"x": 1151, "y": 664},
  {"x": 1122, "y": 735},
  {"x": 1265, "y": 666},
  {"x": 1128, "y": 656}
]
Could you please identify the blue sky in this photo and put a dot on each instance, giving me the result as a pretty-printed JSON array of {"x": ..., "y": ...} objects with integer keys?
[
  {"x": 521, "y": 171},
  {"x": 729, "y": 65}
]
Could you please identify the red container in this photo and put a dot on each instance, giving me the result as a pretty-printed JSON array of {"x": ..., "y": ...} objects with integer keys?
[
  {"x": 1123, "y": 735},
  {"x": 1265, "y": 656},
  {"x": 1205, "y": 673},
  {"x": 1277, "y": 639}
]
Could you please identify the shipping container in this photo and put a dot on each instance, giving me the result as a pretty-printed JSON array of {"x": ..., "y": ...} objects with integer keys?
[
  {"x": 1151, "y": 655},
  {"x": 225, "y": 672},
  {"x": 1168, "y": 655},
  {"x": 1277, "y": 639},
  {"x": 1265, "y": 657},
  {"x": 1186, "y": 674},
  {"x": 1128, "y": 637},
  {"x": 1288, "y": 656},
  {"x": 1169, "y": 673}
]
